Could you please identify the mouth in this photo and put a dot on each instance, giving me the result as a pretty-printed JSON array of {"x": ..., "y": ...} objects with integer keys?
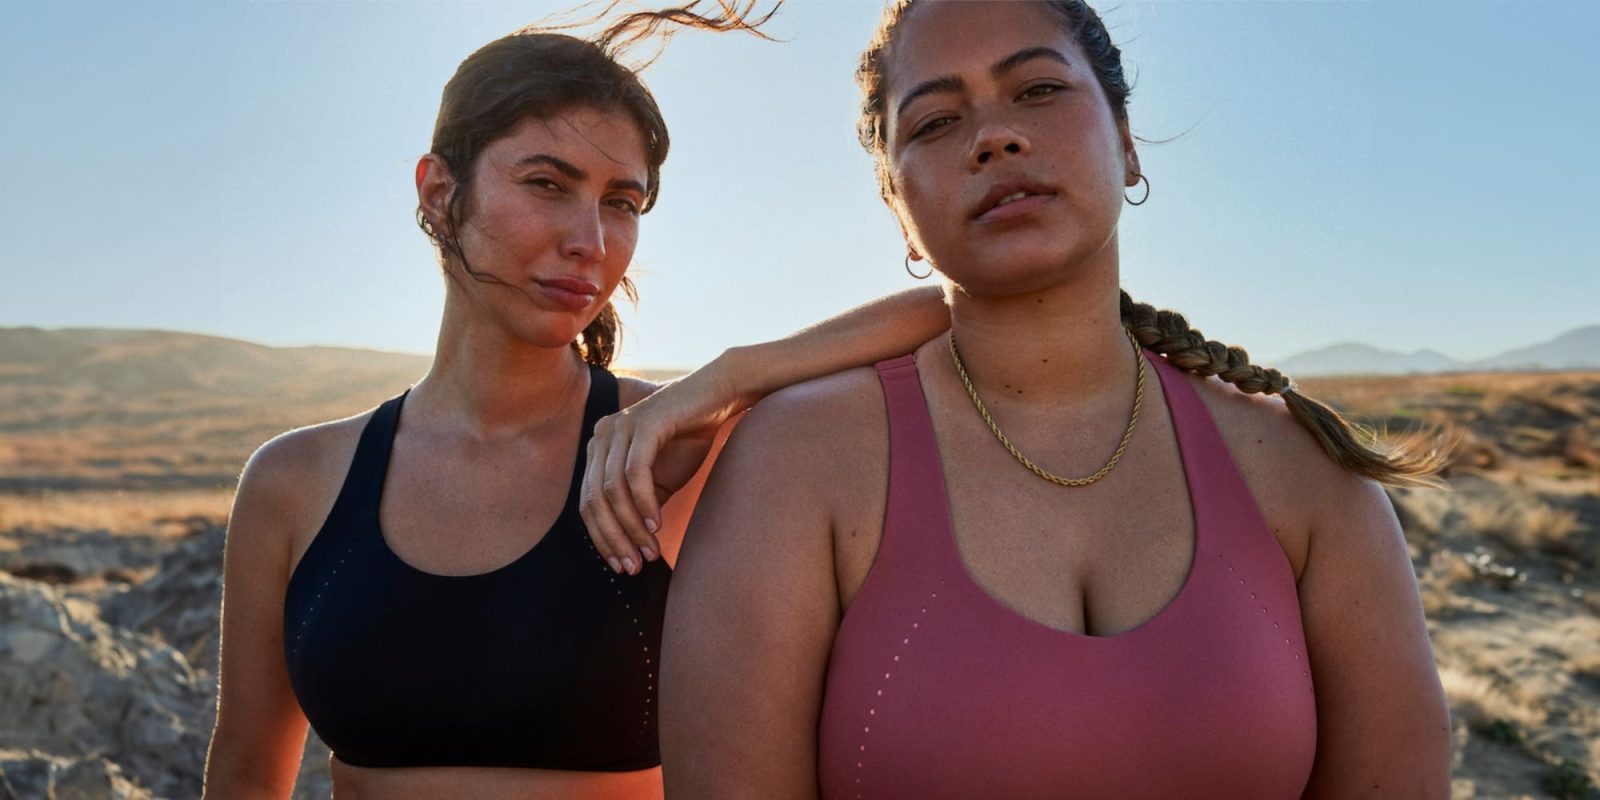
[
  {"x": 571, "y": 293},
  {"x": 1010, "y": 199}
]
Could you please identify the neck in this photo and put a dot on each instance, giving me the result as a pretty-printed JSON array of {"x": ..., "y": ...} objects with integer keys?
[
  {"x": 487, "y": 384},
  {"x": 1063, "y": 345}
]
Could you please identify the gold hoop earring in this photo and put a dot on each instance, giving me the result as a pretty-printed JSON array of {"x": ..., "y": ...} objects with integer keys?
[
  {"x": 915, "y": 275},
  {"x": 1139, "y": 176}
]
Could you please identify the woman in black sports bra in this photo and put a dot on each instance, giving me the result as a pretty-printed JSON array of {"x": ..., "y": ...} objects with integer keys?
[{"x": 416, "y": 582}]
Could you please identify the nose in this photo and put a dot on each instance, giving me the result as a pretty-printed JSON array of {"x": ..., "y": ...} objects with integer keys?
[
  {"x": 994, "y": 139},
  {"x": 585, "y": 239}
]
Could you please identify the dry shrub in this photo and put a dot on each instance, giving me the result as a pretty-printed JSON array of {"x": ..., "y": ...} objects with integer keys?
[
  {"x": 1422, "y": 513},
  {"x": 1446, "y": 570},
  {"x": 1523, "y": 525},
  {"x": 1484, "y": 707}
]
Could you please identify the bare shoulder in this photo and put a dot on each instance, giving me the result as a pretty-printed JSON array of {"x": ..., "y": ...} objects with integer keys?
[
  {"x": 290, "y": 483},
  {"x": 822, "y": 442},
  {"x": 631, "y": 390},
  {"x": 291, "y": 458},
  {"x": 835, "y": 410},
  {"x": 1293, "y": 480}
]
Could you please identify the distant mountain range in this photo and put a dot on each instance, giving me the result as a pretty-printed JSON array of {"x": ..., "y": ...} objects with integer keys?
[
  {"x": 154, "y": 361},
  {"x": 1574, "y": 350},
  {"x": 149, "y": 362}
]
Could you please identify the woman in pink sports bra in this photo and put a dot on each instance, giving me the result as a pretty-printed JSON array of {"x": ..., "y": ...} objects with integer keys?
[{"x": 1053, "y": 553}]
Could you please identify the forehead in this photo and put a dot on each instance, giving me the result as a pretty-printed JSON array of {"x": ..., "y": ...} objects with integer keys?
[
  {"x": 955, "y": 37},
  {"x": 607, "y": 143}
]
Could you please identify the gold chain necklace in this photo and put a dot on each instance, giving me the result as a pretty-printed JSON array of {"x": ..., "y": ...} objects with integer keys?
[{"x": 1138, "y": 401}]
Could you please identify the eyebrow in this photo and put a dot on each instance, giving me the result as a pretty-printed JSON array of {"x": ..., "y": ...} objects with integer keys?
[
  {"x": 951, "y": 83},
  {"x": 573, "y": 172},
  {"x": 564, "y": 167}
]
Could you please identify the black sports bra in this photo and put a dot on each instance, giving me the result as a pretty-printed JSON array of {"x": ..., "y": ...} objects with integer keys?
[{"x": 547, "y": 662}]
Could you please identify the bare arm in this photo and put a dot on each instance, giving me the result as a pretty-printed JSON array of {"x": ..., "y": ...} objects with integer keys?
[
  {"x": 1383, "y": 729},
  {"x": 260, "y": 731},
  {"x": 750, "y": 621},
  {"x": 623, "y": 490}
]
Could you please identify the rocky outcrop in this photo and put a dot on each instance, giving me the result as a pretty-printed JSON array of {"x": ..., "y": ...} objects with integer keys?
[
  {"x": 108, "y": 686},
  {"x": 29, "y": 775},
  {"x": 88, "y": 694},
  {"x": 180, "y": 603}
]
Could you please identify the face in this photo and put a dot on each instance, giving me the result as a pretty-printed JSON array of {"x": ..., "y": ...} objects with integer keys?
[
  {"x": 552, "y": 213},
  {"x": 1007, "y": 162}
]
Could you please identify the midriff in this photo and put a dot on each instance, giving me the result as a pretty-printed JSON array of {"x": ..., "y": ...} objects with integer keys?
[{"x": 487, "y": 783}]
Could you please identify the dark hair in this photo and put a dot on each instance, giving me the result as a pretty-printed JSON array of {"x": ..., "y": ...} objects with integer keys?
[
  {"x": 538, "y": 73},
  {"x": 1413, "y": 459}
]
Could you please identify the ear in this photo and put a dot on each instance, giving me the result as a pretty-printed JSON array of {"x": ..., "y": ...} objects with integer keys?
[
  {"x": 905, "y": 235},
  {"x": 896, "y": 208},
  {"x": 1130, "y": 153},
  {"x": 435, "y": 185}
]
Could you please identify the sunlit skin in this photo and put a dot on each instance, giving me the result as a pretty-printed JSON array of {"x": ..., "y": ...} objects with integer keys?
[
  {"x": 1025, "y": 112},
  {"x": 548, "y": 224},
  {"x": 554, "y": 201},
  {"x": 553, "y": 204},
  {"x": 790, "y": 522},
  {"x": 1036, "y": 119}
]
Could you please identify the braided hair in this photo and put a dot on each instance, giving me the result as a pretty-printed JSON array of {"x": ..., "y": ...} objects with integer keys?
[{"x": 1413, "y": 459}]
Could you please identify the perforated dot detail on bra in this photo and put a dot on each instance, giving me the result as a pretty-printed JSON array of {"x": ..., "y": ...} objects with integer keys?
[
  {"x": 311, "y": 609},
  {"x": 650, "y": 673},
  {"x": 1269, "y": 616},
  {"x": 900, "y": 650}
]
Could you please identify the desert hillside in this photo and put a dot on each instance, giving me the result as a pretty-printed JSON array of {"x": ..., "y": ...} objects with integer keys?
[{"x": 92, "y": 409}]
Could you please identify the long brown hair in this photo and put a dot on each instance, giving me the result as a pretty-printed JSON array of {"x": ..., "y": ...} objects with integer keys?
[
  {"x": 1411, "y": 459},
  {"x": 539, "y": 73}
]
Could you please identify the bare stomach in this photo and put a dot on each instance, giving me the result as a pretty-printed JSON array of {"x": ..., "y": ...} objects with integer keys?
[{"x": 485, "y": 783}]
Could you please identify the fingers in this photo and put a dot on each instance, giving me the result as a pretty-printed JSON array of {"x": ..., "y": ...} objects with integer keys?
[
  {"x": 616, "y": 487},
  {"x": 638, "y": 469},
  {"x": 604, "y": 530}
]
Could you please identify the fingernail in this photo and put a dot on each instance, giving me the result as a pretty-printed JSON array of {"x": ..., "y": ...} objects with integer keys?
[
  {"x": 615, "y": 567},
  {"x": 628, "y": 563},
  {"x": 649, "y": 555},
  {"x": 650, "y": 525}
]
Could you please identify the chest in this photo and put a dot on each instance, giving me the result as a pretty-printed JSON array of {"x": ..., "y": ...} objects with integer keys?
[
  {"x": 463, "y": 508},
  {"x": 1101, "y": 558}
]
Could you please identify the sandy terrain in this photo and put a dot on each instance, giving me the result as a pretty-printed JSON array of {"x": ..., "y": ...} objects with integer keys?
[{"x": 112, "y": 509}]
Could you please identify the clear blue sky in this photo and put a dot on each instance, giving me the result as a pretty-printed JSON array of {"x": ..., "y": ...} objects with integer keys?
[{"x": 1406, "y": 174}]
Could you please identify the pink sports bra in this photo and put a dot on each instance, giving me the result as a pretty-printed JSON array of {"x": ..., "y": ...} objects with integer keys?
[{"x": 936, "y": 690}]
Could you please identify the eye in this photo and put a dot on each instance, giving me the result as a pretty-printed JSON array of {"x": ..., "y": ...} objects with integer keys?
[
  {"x": 1038, "y": 90},
  {"x": 625, "y": 205},
  {"x": 932, "y": 125},
  {"x": 544, "y": 183}
]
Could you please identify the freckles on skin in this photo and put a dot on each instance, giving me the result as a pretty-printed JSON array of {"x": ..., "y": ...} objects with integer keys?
[
  {"x": 1007, "y": 80},
  {"x": 555, "y": 199}
]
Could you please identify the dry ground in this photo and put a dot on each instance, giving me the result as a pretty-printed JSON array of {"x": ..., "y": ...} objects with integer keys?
[{"x": 1506, "y": 556}]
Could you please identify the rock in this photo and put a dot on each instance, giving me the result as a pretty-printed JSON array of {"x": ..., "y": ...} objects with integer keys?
[
  {"x": 27, "y": 646},
  {"x": 67, "y": 556},
  {"x": 29, "y": 775},
  {"x": 26, "y": 775},
  {"x": 181, "y": 602},
  {"x": 102, "y": 693},
  {"x": 95, "y": 779}
]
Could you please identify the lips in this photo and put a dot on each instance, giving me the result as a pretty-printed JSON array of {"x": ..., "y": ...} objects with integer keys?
[
  {"x": 573, "y": 293},
  {"x": 1008, "y": 198}
]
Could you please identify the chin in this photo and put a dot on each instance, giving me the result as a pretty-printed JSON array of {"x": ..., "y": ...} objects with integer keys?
[
  {"x": 1006, "y": 273},
  {"x": 548, "y": 333}
]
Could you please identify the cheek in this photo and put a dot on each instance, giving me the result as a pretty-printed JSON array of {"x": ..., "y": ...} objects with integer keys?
[
  {"x": 621, "y": 241},
  {"x": 919, "y": 196}
]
